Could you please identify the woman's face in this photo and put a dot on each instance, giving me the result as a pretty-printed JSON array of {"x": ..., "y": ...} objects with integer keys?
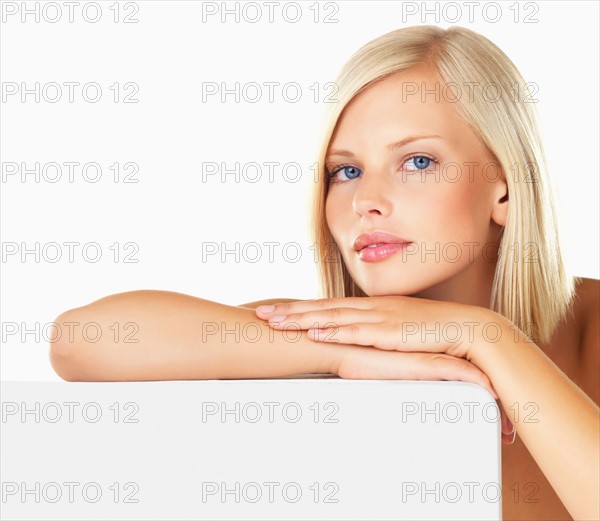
[{"x": 440, "y": 190}]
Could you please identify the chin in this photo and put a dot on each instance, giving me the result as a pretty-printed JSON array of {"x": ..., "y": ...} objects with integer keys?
[
  {"x": 401, "y": 282},
  {"x": 387, "y": 287}
]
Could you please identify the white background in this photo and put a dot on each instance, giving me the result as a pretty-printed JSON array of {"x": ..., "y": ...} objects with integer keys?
[{"x": 170, "y": 212}]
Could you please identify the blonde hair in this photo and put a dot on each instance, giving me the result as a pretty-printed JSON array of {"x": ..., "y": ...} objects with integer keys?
[{"x": 535, "y": 296}]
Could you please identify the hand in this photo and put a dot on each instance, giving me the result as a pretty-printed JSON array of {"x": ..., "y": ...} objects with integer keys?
[
  {"x": 434, "y": 336},
  {"x": 366, "y": 363},
  {"x": 391, "y": 322}
]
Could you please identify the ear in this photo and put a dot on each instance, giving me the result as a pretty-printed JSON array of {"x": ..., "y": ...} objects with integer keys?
[{"x": 500, "y": 206}]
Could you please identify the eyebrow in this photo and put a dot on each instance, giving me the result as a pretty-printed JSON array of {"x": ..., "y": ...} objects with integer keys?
[{"x": 391, "y": 147}]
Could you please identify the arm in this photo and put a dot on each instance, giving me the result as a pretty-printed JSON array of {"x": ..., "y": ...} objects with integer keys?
[
  {"x": 256, "y": 303},
  {"x": 162, "y": 335},
  {"x": 179, "y": 337},
  {"x": 563, "y": 434}
]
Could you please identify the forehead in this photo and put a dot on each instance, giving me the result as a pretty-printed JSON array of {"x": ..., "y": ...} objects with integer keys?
[{"x": 413, "y": 101}]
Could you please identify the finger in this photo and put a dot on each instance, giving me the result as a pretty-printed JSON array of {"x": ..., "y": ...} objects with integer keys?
[
  {"x": 362, "y": 363},
  {"x": 330, "y": 318},
  {"x": 380, "y": 335},
  {"x": 359, "y": 333},
  {"x": 508, "y": 430},
  {"x": 460, "y": 369},
  {"x": 286, "y": 308},
  {"x": 507, "y": 426},
  {"x": 509, "y": 439}
]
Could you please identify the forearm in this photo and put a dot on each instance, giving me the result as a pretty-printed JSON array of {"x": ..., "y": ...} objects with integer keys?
[
  {"x": 560, "y": 427},
  {"x": 172, "y": 336}
]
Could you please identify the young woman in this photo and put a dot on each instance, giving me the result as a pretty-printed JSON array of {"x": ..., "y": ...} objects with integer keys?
[{"x": 440, "y": 259}]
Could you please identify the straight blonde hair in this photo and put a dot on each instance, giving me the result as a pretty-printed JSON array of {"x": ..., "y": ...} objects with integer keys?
[{"x": 536, "y": 295}]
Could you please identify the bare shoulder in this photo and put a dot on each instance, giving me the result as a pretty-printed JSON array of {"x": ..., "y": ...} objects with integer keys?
[
  {"x": 588, "y": 291},
  {"x": 255, "y": 304},
  {"x": 588, "y": 304}
]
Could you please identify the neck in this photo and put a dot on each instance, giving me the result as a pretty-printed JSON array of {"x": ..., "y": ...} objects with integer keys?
[{"x": 472, "y": 286}]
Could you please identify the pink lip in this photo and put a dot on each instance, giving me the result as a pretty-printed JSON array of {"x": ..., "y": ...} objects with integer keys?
[
  {"x": 381, "y": 252},
  {"x": 367, "y": 239}
]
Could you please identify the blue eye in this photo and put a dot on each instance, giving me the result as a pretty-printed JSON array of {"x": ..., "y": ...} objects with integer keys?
[
  {"x": 352, "y": 175},
  {"x": 420, "y": 162}
]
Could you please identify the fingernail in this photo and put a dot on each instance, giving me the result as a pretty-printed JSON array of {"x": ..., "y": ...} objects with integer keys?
[
  {"x": 276, "y": 318},
  {"x": 265, "y": 309}
]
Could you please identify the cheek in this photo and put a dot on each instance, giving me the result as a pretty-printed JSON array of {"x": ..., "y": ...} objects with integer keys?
[
  {"x": 339, "y": 221},
  {"x": 333, "y": 215},
  {"x": 455, "y": 212}
]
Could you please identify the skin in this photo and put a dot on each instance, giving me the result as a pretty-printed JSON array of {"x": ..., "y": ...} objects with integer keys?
[
  {"x": 177, "y": 336},
  {"x": 420, "y": 206},
  {"x": 554, "y": 468}
]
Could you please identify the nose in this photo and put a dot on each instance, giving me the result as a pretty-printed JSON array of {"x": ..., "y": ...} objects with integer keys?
[{"x": 371, "y": 197}]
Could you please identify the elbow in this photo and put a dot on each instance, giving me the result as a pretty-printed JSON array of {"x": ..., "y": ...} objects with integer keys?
[{"x": 64, "y": 347}]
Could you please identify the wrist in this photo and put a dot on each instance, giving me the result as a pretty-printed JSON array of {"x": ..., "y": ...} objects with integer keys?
[
  {"x": 333, "y": 355},
  {"x": 489, "y": 329},
  {"x": 325, "y": 357}
]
